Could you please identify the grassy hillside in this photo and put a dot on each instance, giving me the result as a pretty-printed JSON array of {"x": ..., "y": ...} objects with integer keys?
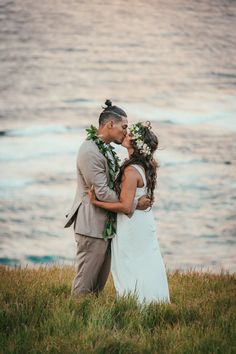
[{"x": 37, "y": 315}]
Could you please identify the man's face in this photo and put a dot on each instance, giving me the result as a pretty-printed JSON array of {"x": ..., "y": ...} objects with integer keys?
[{"x": 119, "y": 130}]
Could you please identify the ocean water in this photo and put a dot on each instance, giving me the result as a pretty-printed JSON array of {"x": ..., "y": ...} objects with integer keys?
[{"x": 171, "y": 62}]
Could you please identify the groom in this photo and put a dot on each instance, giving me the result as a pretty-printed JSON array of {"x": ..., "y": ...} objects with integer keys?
[{"x": 92, "y": 258}]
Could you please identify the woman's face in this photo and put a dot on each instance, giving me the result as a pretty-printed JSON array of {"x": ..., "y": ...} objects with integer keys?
[{"x": 127, "y": 141}]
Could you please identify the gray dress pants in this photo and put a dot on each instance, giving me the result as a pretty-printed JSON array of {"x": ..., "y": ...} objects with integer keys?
[{"x": 93, "y": 263}]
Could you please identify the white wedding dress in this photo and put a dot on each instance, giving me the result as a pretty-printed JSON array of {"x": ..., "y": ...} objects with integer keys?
[{"x": 136, "y": 262}]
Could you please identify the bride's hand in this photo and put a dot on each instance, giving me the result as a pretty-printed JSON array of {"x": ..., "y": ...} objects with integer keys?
[{"x": 92, "y": 195}]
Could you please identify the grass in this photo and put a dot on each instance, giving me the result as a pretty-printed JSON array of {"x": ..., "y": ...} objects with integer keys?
[{"x": 37, "y": 315}]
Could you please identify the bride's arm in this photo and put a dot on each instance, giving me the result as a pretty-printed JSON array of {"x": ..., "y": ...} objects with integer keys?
[{"x": 128, "y": 189}]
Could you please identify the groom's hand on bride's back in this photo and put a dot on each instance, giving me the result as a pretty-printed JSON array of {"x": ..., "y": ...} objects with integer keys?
[{"x": 144, "y": 202}]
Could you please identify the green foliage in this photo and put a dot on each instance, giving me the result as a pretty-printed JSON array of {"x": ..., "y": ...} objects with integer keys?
[
  {"x": 38, "y": 315},
  {"x": 113, "y": 168}
]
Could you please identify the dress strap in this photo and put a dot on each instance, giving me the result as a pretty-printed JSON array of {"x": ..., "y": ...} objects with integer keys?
[{"x": 140, "y": 170}]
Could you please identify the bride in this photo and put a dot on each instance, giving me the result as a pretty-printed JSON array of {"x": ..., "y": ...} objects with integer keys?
[{"x": 136, "y": 262}]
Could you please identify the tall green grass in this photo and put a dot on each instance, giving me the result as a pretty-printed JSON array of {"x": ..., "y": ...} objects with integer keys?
[{"x": 37, "y": 315}]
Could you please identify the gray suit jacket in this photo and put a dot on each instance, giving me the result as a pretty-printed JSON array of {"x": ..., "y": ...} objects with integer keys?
[{"x": 92, "y": 169}]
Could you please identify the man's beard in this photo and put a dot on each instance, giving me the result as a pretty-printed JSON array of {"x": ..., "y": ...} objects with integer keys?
[{"x": 117, "y": 142}]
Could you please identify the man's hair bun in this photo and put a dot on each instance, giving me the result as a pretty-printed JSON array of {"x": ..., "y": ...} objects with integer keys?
[
  {"x": 108, "y": 103},
  {"x": 111, "y": 111}
]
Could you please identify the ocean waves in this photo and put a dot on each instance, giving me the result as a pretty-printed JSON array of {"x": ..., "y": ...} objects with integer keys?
[
  {"x": 29, "y": 131},
  {"x": 171, "y": 64}
]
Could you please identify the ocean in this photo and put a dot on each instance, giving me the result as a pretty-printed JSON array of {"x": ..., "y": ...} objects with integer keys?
[{"x": 171, "y": 62}]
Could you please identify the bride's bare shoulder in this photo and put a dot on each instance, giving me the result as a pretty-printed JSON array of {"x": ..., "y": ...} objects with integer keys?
[{"x": 131, "y": 171}]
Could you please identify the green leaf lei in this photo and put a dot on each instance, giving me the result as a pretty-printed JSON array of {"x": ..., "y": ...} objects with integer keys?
[{"x": 113, "y": 167}]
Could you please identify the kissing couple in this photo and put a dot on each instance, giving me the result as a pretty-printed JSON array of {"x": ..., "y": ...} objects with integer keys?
[{"x": 113, "y": 221}]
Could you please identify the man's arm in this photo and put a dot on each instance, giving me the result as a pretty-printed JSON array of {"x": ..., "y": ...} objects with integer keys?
[
  {"x": 143, "y": 202},
  {"x": 92, "y": 167}
]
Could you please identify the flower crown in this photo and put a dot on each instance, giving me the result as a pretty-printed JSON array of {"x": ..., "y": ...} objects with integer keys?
[{"x": 137, "y": 136}]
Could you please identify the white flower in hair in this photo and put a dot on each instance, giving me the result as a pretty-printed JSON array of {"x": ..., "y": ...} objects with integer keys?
[
  {"x": 139, "y": 143},
  {"x": 137, "y": 136}
]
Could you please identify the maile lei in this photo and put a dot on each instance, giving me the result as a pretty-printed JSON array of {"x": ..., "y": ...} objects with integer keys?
[{"x": 113, "y": 167}]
